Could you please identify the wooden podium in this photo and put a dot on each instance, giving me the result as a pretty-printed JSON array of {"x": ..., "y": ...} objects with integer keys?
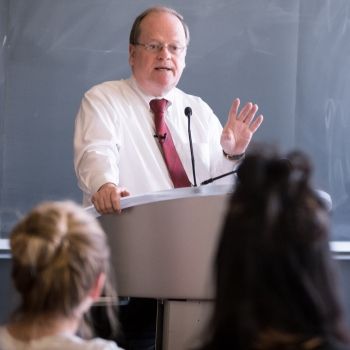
[{"x": 162, "y": 246}]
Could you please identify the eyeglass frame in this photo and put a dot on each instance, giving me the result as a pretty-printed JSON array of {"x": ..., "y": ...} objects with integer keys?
[{"x": 160, "y": 46}]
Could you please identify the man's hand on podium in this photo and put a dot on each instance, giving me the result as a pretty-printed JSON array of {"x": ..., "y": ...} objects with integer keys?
[{"x": 107, "y": 199}]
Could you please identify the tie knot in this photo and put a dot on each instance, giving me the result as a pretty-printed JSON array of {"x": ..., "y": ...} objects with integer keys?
[{"x": 158, "y": 106}]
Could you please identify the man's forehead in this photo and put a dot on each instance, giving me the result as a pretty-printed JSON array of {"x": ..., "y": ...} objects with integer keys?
[{"x": 162, "y": 22}]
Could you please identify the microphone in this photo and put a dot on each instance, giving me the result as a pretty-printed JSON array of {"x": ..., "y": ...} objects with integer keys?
[
  {"x": 234, "y": 172},
  {"x": 161, "y": 138},
  {"x": 212, "y": 179},
  {"x": 188, "y": 113}
]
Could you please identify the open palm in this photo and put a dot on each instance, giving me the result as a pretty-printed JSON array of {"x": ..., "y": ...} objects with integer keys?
[{"x": 240, "y": 128}]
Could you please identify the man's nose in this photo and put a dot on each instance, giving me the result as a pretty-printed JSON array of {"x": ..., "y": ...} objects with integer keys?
[{"x": 164, "y": 52}]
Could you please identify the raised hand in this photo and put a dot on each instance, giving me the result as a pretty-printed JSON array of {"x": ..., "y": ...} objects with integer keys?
[{"x": 240, "y": 127}]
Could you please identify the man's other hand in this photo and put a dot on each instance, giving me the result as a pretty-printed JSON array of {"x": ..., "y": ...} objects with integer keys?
[{"x": 107, "y": 199}]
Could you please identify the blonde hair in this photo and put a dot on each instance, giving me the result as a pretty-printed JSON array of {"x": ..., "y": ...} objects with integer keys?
[{"x": 58, "y": 252}]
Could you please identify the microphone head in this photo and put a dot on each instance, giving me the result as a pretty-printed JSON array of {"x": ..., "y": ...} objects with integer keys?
[{"x": 188, "y": 111}]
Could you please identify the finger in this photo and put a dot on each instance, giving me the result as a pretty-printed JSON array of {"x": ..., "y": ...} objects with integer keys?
[
  {"x": 116, "y": 196},
  {"x": 115, "y": 201},
  {"x": 102, "y": 202},
  {"x": 234, "y": 107},
  {"x": 245, "y": 111},
  {"x": 107, "y": 203},
  {"x": 256, "y": 123},
  {"x": 233, "y": 111},
  {"x": 250, "y": 115},
  {"x": 124, "y": 192},
  {"x": 96, "y": 202}
]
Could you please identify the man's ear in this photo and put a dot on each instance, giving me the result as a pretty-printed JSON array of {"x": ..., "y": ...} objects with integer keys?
[
  {"x": 96, "y": 289},
  {"x": 131, "y": 54}
]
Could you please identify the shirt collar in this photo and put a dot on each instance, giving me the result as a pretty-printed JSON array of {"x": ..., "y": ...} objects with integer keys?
[{"x": 147, "y": 98}]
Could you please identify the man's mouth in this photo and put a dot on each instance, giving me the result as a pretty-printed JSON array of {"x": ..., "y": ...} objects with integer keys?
[{"x": 163, "y": 69}]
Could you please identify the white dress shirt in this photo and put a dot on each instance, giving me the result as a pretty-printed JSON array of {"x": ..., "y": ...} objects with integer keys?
[{"x": 114, "y": 140}]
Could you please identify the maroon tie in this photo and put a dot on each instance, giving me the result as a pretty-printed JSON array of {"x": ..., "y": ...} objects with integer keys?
[{"x": 172, "y": 160}]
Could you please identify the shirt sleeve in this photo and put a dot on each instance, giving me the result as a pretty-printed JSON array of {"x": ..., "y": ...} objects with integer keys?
[
  {"x": 96, "y": 154},
  {"x": 218, "y": 163}
]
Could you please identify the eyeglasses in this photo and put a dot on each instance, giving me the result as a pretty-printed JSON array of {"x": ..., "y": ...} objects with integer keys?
[{"x": 158, "y": 47}]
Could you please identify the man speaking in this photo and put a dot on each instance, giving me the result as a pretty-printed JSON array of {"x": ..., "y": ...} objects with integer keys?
[{"x": 131, "y": 136}]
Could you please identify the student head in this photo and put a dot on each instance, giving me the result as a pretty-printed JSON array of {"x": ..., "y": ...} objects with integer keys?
[
  {"x": 157, "y": 49},
  {"x": 275, "y": 277},
  {"x": 60, "y": 261}
]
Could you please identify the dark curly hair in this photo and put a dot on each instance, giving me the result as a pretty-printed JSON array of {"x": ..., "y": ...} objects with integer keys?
[{"x": 275, "y": 276}]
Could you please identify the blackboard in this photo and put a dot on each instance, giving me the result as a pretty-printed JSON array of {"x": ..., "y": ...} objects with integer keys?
[{"x": 291, "y": 57}]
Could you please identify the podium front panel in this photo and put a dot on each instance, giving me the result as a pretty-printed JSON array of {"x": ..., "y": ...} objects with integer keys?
[{"x": 165, "y": 249}]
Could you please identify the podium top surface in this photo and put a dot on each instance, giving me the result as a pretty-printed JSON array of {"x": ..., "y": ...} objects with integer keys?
[{"x": 171, "y": 194}]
